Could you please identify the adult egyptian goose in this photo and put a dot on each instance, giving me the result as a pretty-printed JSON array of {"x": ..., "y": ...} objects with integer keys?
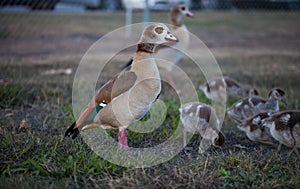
[
  {"x": 181, "y": 32},
  {"x": 285, "y": 127},
  {"x": 128, "y": 96},
  {"x": 202, "y": 119},
  {"x": 174, "y": 54},
  {"x": 250, "y": 106},
  {"x": 254, "y": 129},
  {"x": 233, "y": 88}
]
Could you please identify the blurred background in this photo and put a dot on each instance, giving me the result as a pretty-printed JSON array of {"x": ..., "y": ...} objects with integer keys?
[{"x": 42, "y": 42}]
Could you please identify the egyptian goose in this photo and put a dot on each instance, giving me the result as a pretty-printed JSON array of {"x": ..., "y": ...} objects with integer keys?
[
  {"x": 250, "y": 106},
  {"x": 128, "y": 96},
  {"x": 181, "y": 32},
  {"x": 285, "y": 127},
  {"x": 202, "y": 119},
  {"x": 254, "y": 129},
  {"x": 174, "y": 54},
  {"x": 233, "y": 88}
]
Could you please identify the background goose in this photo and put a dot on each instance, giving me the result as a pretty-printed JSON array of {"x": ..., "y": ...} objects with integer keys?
[
  {"x": 181, "y": 32},
  {"x": 129, "y": 95},
  {"x": 174, "y": 54},
  {"x": 233, "y": 88},
  {"x": 202, "y": 119},
  {"x": 285, "y": 127},
  {"x": 250, "y": 106}
]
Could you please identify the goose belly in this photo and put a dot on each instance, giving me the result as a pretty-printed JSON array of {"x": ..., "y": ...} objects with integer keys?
[
  {"x": 195, "y": 125},
  {"x": 129, "y": 106},
  {"x": 142, "y": 96},
  {"x": 254, "y": 135},
  {"x": 259, "y": 135},
  {"x": 190, "y": 123}
]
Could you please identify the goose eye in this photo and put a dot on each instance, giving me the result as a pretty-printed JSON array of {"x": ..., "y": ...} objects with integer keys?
[{"x": 183, "y": 8}]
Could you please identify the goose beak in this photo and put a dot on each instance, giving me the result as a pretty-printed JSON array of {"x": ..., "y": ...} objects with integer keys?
[
  {"x": 189, "y": 14},
  {"x": 171, "y": 38},
  {"x": 284, "y": 101}
]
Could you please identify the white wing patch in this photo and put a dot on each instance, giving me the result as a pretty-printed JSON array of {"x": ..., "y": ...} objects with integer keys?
[
  {"x": 285, "y": 119},
  {"x": 102, "y": 104},
  {"x": 256, "y": 120},
  {"x": 238, "y": 104},
  {"x": 246, "y": 106},
  {"x": 250, "y": 101}
]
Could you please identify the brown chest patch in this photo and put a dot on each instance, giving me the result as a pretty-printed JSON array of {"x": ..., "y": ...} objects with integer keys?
[{"x": 145, "y": 47}]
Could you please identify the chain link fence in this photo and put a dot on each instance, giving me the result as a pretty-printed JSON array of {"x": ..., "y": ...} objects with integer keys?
[{"x": 112, "y": 5}]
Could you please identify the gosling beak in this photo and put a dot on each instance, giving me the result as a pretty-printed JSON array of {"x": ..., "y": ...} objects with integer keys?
[{"x": 284, "y": 101}]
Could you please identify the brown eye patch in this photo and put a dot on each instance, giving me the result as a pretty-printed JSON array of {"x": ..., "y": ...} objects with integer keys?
[{"x": 159, "y": 30}]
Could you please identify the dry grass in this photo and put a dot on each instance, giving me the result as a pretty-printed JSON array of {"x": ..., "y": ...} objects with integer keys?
[{"x": 261, "y": 49}]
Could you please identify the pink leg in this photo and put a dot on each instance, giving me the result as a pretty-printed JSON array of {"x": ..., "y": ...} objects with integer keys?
[
  {"x": 122, "y": 139},
  {"x": 170, "y": 79}
]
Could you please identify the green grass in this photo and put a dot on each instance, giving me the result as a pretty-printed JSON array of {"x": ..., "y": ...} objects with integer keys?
[{"x": 257, "y": 48}]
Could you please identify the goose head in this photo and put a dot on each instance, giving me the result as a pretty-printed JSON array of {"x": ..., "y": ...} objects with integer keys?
[
  {"x": 279, "y": 95},
  {"x": 155, "y": 35},
  {"x": 253, "y": 92},
  {"x": 177, "y": 12},
  {"x": 219, "y": 141},
  {"x": 247, "y": 91}
]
